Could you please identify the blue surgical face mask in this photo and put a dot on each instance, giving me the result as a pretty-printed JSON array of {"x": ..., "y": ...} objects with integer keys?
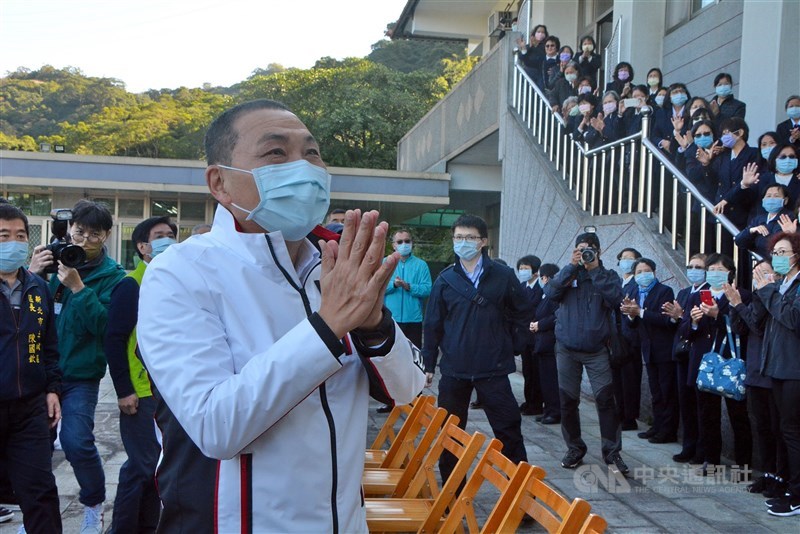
[
  {"x": 782, "y": 264},
  {"x": 723, "y": 90},
  {"x": 625, "y": 265},
  {"x": 793, "y": 112},
  {"x": 772, "y": 205},
  {"x": 660, "y": 100},
  {"x": 160, "y": 245},
  {"x": 541, "y": 282},
  {"x": 12, "y": 255},
  {"x": 728, "y": 140},
  {"x": 524, "y": 275},
  {"x": 704, "y": 141},
  {"x": 765, "y": 152},
  {"x": 696, "y": 276},
  {"x": 404, "y": 249},
  {"x": 679, "y": 99},
  {"x": 466, "y": 250},
  {"x": 717, "y": 279},
  {"x": 786, "y": 165},
  {"x": 294, "y": 197},
  {"x": 644, "y": 279}
]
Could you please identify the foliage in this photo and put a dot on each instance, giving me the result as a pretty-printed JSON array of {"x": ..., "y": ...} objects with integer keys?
[{"x": 415, "y": 55}]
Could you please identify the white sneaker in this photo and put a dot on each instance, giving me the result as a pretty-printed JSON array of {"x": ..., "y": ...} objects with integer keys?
[{"x": 92, "y": 519}]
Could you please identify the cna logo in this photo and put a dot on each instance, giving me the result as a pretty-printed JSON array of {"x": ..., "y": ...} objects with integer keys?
[{"x": 590, "y": 478}]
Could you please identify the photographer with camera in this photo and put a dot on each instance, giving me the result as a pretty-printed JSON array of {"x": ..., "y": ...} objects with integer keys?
[
  {"x": 587, "y": 293},
  {"x": 82, "y": 293}
]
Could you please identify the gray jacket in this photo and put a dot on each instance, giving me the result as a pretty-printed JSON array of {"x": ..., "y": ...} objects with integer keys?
[
  {"x": 583, "y": 317},
  {"x": 781, "y": 358}
]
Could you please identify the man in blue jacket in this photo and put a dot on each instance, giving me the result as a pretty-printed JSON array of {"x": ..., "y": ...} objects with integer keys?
[
  {"x": 587, "y": 293},
  {"x": 471, "y": 311},
  {"x": 30, "y": 379}
]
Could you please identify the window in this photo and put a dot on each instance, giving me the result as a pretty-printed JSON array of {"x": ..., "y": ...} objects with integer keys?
[
  {"x": 698, "y": 5},
  {"x": 107, "y": 202},
  {"x": 31, "y": 204},
  {"x": 131, "y": 207},
  {"x": 127, "y": 250},
  {"x": 160, "y": 208},
  {"x": 680, "y": 11},
  {"x": 193, "y": 210}
]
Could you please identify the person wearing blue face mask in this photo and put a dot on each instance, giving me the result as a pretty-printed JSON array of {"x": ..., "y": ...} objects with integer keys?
[
  {"x": 705, "y": 327},
  {"x": 527, "y": 273},
  {"x": 407, "y": 290},
  {"x": 473, "y": 308},
  {"x": 545, "y": 348},
  {"x": 136, "y": 505},
  {"x": 264, "y": 344},
  {"x": 671, "y": 118},
  {"x": 724, "y": 105},
  {"x": 627, "y": 379},
  {"x": 756, "y": 235},
  {"x": 30, "y": 379},
  {"x": 789, "y": 130},
  {"x": 656, "y": 332}
]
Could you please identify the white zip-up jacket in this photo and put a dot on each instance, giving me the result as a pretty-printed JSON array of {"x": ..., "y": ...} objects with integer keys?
[{"x": 224, "y": 331}]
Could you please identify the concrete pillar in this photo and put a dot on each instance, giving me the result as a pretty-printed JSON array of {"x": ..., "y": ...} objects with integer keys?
[
  {"x": 560, "y": 17},
  {"x": 642, "y": 30},
  {"x": 770, "y": 70}
]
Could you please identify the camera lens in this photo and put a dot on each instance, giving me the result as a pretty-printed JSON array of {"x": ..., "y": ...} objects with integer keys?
[
  {"x": 588, "y": 255},
  {"x": 72, "y": 255}
]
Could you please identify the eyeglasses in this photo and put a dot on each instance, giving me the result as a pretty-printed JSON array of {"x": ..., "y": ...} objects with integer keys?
[
  {"x": 401, "y": 241},
  {"x": 549, "y": 46},
  {"x": 470, "y": 238},
  {"x": 696, "y": 267},
  {"x": 782, "y": 252},
  {"x": 706, "y": 134},
  {"x": 94, "y": 237}
]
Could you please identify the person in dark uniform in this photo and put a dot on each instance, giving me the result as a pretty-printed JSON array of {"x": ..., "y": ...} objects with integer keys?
[{"x": 527, "y": 273}]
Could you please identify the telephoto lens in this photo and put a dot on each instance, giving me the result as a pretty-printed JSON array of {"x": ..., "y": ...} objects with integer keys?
[{"x": 588, "y": 255}]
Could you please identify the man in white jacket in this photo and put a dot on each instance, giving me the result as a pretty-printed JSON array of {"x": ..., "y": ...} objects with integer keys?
[{"x": 265, "y": 354}]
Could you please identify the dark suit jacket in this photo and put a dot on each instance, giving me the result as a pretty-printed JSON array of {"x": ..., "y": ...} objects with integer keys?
[
  {"x": 661, "y": 128},
  {"x": 546, "y": 315},
  {"x": 628, "y": 331},
  {"x": 728, "y": 173},
  {"x": 656, "y": 331},
  {"x": 702, "y": 178},
  {"x": 534, "y": 295},
  {"x": 784, "y": 130},
  {"x": 756, "y": 242},
  {"x": 683, "y": 300}
]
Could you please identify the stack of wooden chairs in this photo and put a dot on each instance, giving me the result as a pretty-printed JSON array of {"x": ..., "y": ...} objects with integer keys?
[{"x": 403, "y": 494}]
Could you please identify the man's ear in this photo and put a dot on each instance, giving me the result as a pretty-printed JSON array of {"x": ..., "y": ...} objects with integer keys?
[{"x": 216, "y": 185}]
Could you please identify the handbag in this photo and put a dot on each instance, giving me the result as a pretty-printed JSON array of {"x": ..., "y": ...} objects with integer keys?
[
  {"x": 619, "y": 350},
  {"x": 720, "y": 375}
]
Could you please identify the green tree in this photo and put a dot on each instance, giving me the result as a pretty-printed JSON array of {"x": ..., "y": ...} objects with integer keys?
[{"x": 413, "y": 55}]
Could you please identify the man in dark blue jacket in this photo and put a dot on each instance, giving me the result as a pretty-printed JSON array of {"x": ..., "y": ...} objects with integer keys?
[
  {"x": 471, "y": 311},
  {"x": 30, "y": 380},
  {"x": 587, "y": 293}
]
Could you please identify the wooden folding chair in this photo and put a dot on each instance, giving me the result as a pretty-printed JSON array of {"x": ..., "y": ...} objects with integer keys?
[
  {"x": 410, "y": 512},
  {"x": 390, "y": 448},
  {"x": 594, "y": 525},
  {"x": 544, "y": 504},
  {"x": 506, "y": 476},
  {"x": 393, "y": 482}
]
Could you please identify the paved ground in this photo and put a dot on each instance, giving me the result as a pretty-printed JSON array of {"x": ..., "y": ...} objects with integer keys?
[{"x": 659, "y": 496}]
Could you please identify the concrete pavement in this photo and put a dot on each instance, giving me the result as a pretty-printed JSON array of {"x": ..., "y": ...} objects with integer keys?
[{"x": 658, "y": 496}]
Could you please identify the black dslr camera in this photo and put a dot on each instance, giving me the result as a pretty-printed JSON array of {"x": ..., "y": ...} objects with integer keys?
[
  {"x": 61, "y": 247},
  {"x": 588, "y": 255}
]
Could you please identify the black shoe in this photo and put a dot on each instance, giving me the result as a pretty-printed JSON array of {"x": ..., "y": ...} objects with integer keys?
[
  {"x": 776, "y": 488},
  {"x": 538, "y": 418},
  {"x": 660, "y": 438},
  {"x": 647, "y": 434},
  {"x": 616, "y": 462},
  {"x": 630, "y": 425},
  {"x": 476, "y": 405},
  {"x": 572, "y": 460},
  {"x": 786, "y": 507},
  {"x": 775, "y": 500},
  {"x": 386, "y": 408},
  {"x": 683, "y": 457},
  {"x": 550, "y": 420},
  {"x": 759, "y": 484},
  {"x": 6, "y": 515}
]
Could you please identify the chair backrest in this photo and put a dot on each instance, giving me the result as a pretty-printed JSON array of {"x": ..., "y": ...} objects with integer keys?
[
  {"x": 386, "y": 435},
  {"x": 496, "y": 469},
  {"x": 594, "y": 525},
  {"x": 545, "y": 505},
  {"x": 429, "y": 424},
  {"x": 464, "y": 447}
]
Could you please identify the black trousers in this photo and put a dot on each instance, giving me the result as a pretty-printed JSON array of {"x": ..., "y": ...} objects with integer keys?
[
  {"x": 787, "y": 399},
  {"x": 413, "y": 332},
  {"x": 687, "y": 402},
  {"x": 499, "y": 405},
  {"x": 627, "y": 382},
  {"x": 532, "y": 389},
  {"x": 770, "y": 449},
  {"x": 25, "y": 447},
  {"x": 548, "y": 379},
  {"x": 709, "y": 408},
  {"x": 663, "y": 382}
]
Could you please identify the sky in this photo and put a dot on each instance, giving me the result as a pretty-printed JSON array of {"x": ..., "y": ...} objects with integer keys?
[{"x": 155, "y": 44}]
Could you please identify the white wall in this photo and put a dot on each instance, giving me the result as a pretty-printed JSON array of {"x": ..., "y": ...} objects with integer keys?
[{"x": 641, "y": 28}]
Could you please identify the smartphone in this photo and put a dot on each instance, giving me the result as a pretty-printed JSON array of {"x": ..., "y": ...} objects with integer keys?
[
  {"x": 630, "y": 102},
  {"x": 706, "y": 298}
]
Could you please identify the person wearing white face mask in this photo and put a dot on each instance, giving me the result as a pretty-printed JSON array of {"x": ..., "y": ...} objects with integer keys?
[
  {"x": 136, "y": 506},
  {"x": 473, "y": 307},
  {"x": 265, "y": 347},
  {"x": 30, "y": 380},
  {"x": 705, "y": 327}
]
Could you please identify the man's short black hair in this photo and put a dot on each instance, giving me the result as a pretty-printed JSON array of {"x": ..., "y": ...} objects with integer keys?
[
  {"x": 636, "y": 253},
  {"x": 647, "y": 261},
  {"x": 471, "y": 221},
  {"x": 221, "y": 136},
  {"x": 726, "y": 262},
  {"x": 590, "y": 238},
  {"x": 9, "y": 212},
  {"x": 532, "y": 261},
  {"x": 548, "y": 269},
  {"x": 141, "y": 234},
  {"x": 91, "y": 214}
]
